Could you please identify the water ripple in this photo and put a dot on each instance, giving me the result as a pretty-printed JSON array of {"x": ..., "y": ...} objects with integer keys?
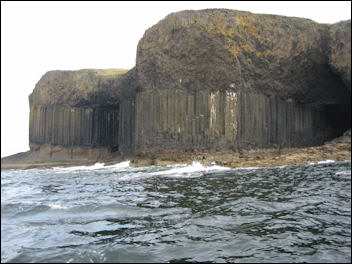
[{"x": 184, "y": 213}]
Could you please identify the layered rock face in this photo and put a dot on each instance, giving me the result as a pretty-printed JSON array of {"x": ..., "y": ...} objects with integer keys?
[{"x": 203, "y": 79}]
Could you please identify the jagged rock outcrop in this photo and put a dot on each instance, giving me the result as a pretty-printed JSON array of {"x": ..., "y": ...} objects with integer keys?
[{"x": 212, "y": 78}]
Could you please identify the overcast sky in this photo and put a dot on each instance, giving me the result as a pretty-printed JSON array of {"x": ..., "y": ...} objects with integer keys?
[{"x": 37, "y": 37}]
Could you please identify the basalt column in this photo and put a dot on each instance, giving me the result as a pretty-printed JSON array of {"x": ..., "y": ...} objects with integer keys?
[
  {"x": 172, "y": 119},
  {"x": 75, "y": 126},
  {"x": 224, "y": 78},
  {"x": 267, "y": 121}
]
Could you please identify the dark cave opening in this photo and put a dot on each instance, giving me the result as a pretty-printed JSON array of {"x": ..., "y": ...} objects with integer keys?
[
  {"x": 105, "y": 126},
  {"x": 338, "y": 118}
]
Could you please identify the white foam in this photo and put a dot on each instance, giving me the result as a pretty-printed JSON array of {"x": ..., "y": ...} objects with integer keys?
[
  {"x": 321, "y": 162},
  {"x": 190, "y": 170},
  {"x": 74, "y": 168},
  {"x": 325, "y": 161},
  {"x": 120, "y": 165},
  {"x": 96, "y": 166},
  {"x": 343, "y": 172},
  {"x": 57, "y": 206},
  {"x": 177, "y": 170}
]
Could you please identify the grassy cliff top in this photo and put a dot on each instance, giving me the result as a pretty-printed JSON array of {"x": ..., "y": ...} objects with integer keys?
[
  {"x": 100, "y": 72},
  {"x": 74, "y": 87},
  {"x": 107, "y": 72}
]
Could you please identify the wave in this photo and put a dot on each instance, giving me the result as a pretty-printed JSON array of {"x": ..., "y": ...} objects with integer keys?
[
  {"x": 322, "y": 162},
  {"x": 326, "y": 161},
  {"x": 196, "y": 169},
  {"x": 177, "y": 170},
  {"x": 120, "y": 165},
  {"x": 343, "y": 172},
  {"x": 190, "y": 170},
  {"x": 57, "y": 206},
  {"x": 96, "y": 166}
]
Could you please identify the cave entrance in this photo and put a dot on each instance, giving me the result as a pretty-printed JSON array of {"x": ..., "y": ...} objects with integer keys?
[
  {"x": 113, "y": 126},
  {"x": 105, "y": 128},
  {"x": 339, "y": 118}
]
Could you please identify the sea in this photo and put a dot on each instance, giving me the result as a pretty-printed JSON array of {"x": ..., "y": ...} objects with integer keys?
[{"x": 181, "y": 213}]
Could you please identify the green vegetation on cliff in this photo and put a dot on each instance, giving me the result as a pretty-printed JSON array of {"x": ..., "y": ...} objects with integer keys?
[{"x": 72, "y": 87}]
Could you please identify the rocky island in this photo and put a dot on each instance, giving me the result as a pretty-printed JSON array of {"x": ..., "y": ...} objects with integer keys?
[{"x": 233, "y": 87}]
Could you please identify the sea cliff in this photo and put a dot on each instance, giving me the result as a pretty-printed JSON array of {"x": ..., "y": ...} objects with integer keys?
[{"x": 206, "y": 81}]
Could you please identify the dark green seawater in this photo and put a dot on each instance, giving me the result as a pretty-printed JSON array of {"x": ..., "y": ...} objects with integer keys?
[{"x": 177, "y": 214}]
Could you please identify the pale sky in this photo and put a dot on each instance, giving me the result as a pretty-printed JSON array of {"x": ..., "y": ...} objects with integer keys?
[{"x": 37, "y": 37}]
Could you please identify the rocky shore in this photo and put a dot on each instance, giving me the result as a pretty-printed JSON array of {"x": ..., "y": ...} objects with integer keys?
[{"x": 338, "y": 149}]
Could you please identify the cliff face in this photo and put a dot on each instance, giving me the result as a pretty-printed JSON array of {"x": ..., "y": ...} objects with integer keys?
[
  {"x": 239, "y": 51},
  {"x": 81, "y": 108},
  {"x": 340, "y": 51},
  {"x": 178, "y": 119},
  {"x": 209, "y": 78},
  {"x": 241, "y": 79}
]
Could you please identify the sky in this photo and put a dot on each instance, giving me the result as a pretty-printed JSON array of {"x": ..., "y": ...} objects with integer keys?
[{"x": 37, "y": 37}]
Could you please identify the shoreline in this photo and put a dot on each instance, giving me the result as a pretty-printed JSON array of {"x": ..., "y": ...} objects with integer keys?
[{"x": 338, "y": 149}]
